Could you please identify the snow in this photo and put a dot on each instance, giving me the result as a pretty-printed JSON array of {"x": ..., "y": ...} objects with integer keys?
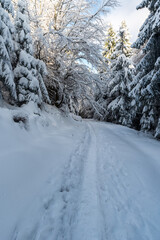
[{"x": 80, "y": 180}]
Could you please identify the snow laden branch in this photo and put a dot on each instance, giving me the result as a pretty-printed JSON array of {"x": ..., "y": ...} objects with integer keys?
[{"x": 68, "y": 36}]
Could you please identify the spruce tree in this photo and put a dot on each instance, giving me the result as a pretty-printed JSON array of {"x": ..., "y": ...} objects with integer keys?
[
  {"x": 118, "y": 87},
  {"x": 123, "y": 45},
  {"x": 41, "y": 74},
  {"x": 110, "y": 43},
  {"x": 146, "y": 87},
  {"x": 120, "y": 79},
  {"x": 6, "y": 48},
  {"x": 29, "y": 72}
]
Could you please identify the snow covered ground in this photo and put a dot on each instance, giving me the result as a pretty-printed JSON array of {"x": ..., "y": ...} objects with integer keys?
[{"x": 63, "y": 179}]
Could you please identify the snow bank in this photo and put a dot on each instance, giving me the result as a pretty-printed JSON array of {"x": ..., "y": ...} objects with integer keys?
[{"x": 30, "y": 153}]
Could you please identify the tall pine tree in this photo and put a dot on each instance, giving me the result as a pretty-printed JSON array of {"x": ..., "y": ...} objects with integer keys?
[
  {"x": 110, "y": 43},
  {"x": 6, "y": 48},
  {"x": 120, "y": 79},
  {"x": 123, "y": 45},
  {"x": 146, "y": 87},
  {"x": 29, "y": 72},
  {"x": 118, "y": 88}
]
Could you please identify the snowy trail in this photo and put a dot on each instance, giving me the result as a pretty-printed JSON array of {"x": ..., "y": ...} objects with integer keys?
[
  {"x": 71, "y": 188},
  {"x": 115, "y": 198},
  {"x": 98, "y": 182},
  {"x": 130, "y": 197},
  {"x": 66, "y": 217},
  {"x": 68, "y": 211},
  {"x": 89, "y": 222}
]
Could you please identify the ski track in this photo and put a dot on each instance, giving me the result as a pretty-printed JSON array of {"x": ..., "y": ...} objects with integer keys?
[{"x": 95, "y": 200}]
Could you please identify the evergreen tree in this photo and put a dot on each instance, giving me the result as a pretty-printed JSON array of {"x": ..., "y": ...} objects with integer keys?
[
  {"x": 6, "y": 47},
  {"x": 110, "y": 43},
  {"x": 41, "y": 74},
  {"x": 29, "y": 72},
  {"x": 157, "y": 132},
  {"x": 123, "y": 45},
  {"x": 118, "y": 87},
  {"x": 146, "y": 87},
  {"x": 120, "y": 79}
]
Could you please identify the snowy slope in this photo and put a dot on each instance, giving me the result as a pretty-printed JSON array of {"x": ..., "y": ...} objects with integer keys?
[{"x": 71, "y": 180}]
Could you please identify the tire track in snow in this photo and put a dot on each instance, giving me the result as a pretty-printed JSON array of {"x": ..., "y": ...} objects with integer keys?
[
  {"x": 89, "y": 221},
  {"x": 71, "y": 186},
  {"x": 83, "y": 214}
]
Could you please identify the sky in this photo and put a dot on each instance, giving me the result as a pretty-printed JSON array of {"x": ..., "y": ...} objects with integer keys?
[{"x": 127, "y": 11}]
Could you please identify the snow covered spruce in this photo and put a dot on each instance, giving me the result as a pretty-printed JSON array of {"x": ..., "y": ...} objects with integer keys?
[
  {"x": 146, "y": 86},
  {"x": 117, "y": 100},
  {"x": 6, "y": 48},
  {"x": 29, "y": 72},
  {"x": 20, "y": 72}
]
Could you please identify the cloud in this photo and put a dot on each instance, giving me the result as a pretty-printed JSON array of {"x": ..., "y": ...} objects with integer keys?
[{"x": 127, "y": 11}]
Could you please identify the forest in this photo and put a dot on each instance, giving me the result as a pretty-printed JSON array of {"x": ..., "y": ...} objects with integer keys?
[
  {"x": 61, "y": 53},
  {"x": 79, "y": 120}
]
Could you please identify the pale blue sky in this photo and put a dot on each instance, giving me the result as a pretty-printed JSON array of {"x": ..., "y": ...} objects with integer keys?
[{"x": 127, "y": 11}]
